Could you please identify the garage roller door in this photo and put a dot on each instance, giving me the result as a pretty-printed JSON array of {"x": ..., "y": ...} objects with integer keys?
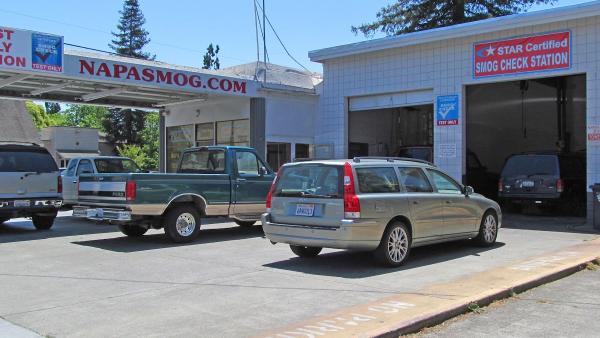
[{"x": 392, "y": 100}]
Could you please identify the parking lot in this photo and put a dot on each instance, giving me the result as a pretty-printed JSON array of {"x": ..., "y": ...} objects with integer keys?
[{"x": 87, "y": 279}]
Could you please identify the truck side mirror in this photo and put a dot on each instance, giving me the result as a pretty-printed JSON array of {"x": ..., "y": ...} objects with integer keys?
[{"x": 263, "y": 171}]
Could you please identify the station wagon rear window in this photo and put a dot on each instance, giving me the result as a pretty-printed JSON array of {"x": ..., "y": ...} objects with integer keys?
[
  {"x": 377, "y": 180},
  {"x": 310, "y": 181}
]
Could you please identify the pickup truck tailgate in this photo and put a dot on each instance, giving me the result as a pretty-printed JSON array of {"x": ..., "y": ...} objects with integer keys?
[{"x": 103, "y": 189}]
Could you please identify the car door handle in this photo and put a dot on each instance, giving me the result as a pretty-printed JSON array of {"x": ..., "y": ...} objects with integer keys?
[
  {"x": 415, "y": 202},
  {"x": 448, "y": 202},
  {"x": 75, "y": 181},
  {"x": 240, "y": 180}
]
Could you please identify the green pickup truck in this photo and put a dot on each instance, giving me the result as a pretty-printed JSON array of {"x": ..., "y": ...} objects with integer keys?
[{"x": 210, "y": 181}]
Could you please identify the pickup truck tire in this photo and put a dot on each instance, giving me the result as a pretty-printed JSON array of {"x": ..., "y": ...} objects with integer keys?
[
  {"x": 132, "y": 230},
  {"x": 245, "y": 224},
  {"x": 305, "y": 251},
  {"x": 43, "y": 222},
  {"x": 182, "y": 224}
]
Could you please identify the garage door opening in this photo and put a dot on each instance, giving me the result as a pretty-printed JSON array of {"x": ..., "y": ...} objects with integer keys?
[
  {"x": 534, "y": 118},
  {"x": 402, "y": 131}
]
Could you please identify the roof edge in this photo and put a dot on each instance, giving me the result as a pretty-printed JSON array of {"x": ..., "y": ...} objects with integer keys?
[{"x": 565, "y": 13}]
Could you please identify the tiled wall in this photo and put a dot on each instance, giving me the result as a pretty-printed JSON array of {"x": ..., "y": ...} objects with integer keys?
[{"x": 446, "y": 67}]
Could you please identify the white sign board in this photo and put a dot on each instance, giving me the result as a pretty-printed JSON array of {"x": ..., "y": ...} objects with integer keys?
[
  {"x": 30, "y": 51},
  {"x": 446, "y": 150}
]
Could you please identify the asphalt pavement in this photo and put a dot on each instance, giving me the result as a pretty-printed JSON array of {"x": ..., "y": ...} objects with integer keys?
[{"x": 83, "y": 279}]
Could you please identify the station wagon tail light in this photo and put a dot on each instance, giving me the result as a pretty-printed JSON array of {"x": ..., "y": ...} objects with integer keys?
[
  {"x": 59, "y": 187},
  {"x": 351, "y": 202},
  {"x": 271, "y": 191},
  {"x": 130, "y": 190},
  {"x": 560, "y": 185}
]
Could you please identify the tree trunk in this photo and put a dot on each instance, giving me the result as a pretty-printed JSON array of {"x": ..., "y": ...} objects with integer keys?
[{"x": 458, "y": 11}]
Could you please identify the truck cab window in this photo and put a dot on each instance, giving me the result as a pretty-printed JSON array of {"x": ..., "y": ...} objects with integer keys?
[{"x": 247, "y": 163}]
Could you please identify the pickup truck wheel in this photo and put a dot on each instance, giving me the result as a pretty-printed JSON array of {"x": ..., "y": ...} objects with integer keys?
[
  {"x": 43, "y": 222},
  {"x": 182, "y": 224},
  {"x": 305, "y": 251},
  {"x": 245, "y": 224},
  {"x": 132, "y": 230}
]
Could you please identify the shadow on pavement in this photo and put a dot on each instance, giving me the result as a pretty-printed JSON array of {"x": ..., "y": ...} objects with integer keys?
[
  {"x": 351, "y": 264},
  {"x": 547, "y": 223},
  {"x": 23, "y": 230},
  {"x": 159, "y": 241}
]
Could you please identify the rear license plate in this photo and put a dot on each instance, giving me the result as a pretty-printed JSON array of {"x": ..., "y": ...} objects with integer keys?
[
  {"x": 305, "y": 210},
  {"x": 99, "y": 213},
  {"x": 527, "y": 184},
  {"x": 22, "y": 203}
]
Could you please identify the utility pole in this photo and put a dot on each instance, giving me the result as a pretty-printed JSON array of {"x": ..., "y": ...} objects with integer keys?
[{"x": 264, "y": 42}]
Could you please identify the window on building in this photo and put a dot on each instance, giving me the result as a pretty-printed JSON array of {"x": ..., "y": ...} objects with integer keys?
[
  {"x": 236, "y": 132},
  {"x": 278, "y": 154},
  {"x": 302, "y": 150},
  {"x": 178, "y": 139},
  {"x": 205, "y": 134}
]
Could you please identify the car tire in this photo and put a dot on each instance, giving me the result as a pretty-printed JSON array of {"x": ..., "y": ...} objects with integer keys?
[
  {"x": 395, "y": 245},
  {"x": 305, "y": 251},
  {"x": 488, "y": 230},
  {"x": 245, "y": 224},
  {"x": 182, "y": 224},
  {"x": 132, "y": 230},
  {"x": 43, "y": 222}
]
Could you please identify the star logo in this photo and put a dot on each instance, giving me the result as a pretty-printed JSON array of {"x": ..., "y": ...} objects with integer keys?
[{"x": 490, "y": 50}]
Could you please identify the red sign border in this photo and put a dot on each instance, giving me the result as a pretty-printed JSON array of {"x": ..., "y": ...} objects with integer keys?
[{"x": 475, "y": 77}]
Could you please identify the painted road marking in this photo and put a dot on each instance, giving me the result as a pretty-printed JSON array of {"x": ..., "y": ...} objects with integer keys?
[{"x": 407, "y": 312}]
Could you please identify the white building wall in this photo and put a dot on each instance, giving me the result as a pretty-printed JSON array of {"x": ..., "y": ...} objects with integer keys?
[
  {"x": 446, "y": 67},
  {"x": 291, "y": 118}
]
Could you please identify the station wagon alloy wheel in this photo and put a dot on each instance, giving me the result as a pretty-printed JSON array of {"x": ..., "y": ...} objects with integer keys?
[
  {"x": 186, "y": 223},
  {"x": 398, "y": 245},
  {"x": 489, "y": 228}
]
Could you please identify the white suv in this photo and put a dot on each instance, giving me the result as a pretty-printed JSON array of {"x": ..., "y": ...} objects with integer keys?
[{"x": 30, "y": 184}]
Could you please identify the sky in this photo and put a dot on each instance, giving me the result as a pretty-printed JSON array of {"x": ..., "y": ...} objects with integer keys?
[{"x": 181, "y": 31}]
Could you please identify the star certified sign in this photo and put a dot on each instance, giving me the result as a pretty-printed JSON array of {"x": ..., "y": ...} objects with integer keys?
[{"x": 522, "y": 55}]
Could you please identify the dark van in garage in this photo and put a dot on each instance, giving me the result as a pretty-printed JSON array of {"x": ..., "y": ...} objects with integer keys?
[{"x": 549, "y": 180}]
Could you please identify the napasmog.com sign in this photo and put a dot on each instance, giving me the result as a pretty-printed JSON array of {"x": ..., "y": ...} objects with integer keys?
[{"x": 533, "y": 53}]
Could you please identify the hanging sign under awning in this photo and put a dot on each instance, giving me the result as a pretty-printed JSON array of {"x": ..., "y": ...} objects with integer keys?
[
  {"x": 527, "y": 54},
  {"x": 30, "y": 51}
]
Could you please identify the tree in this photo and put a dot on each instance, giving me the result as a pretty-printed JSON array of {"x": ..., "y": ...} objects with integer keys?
[
  {"x": 135, "y": 153},
  {"x": 407, "y": 16},
  {"x": 40, "y": 118},
  {"x": 211, "y": 60},
  {"x": 85, "y": 116},
  {"x": 123, "y": 126},
  {"x": 131, "y": 37},
  {"x": 150, "y": 136},
  {"x": 52, "y": 107}
]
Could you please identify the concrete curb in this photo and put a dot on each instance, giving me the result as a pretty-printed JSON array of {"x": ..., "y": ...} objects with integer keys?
[
  {"x": 482, "y": 300},
  {"x": 8, "y": 329}
]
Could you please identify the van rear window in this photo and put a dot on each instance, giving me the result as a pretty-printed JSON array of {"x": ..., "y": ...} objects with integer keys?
[
  {"x": 26, "y": 161},
  {"x": 530, "y": 165},
  {"x": 310, "y": 181}
]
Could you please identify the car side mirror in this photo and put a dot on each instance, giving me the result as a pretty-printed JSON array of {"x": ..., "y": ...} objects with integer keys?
[{"x": 468, "y": 190}]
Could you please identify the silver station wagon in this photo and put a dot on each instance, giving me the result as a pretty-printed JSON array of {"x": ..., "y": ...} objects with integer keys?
[{"x": 385, "y": 205}]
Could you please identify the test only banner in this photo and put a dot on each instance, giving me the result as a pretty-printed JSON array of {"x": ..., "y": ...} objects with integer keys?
[
  {"x": 447, "y": 110},
  {"x": 31, "y": 51},
  {"x": 532, "y": 53}
]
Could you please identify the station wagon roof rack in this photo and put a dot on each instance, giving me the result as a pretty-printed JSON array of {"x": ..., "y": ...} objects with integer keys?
[{"x": 391, "y": 159}]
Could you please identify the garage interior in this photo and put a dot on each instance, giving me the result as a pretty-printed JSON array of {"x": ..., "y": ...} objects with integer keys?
[
  {"x": 382, "y": 132},
  {"x": 545, "y": 114}
]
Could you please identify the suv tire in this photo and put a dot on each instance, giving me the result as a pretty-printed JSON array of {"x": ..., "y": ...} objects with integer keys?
[
  {"x": 132, "y": 230},
  {"x": 43, "y": 222},
  {"x": 395, "y": 245},
  {"x": 488, "y": 230},
  {"x": 182, "y": 224},
  {"x": 305, "y": 251},
  {"x": 245, "y": 224}
]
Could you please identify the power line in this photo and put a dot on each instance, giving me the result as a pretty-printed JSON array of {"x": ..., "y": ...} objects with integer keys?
[
  {"x": 158, "y": 43},
  {"x": 279, "y": 39}
]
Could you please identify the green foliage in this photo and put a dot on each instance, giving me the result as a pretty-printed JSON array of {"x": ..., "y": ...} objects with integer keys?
[
  {"x": 131, "y": 37},
  {"x": 150, "y": 137},
  {"x": 405, "y": 16},
  {"x": 85, "y": 116},
  {"x": 123, "y": 126},
  {"x": 52, "y": 107},
  {"x": 135, "y": 153},
  {"x": 211, "y": 60},
  {"x": 40, "y": 118}
]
